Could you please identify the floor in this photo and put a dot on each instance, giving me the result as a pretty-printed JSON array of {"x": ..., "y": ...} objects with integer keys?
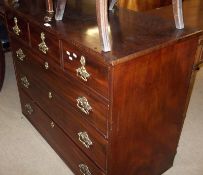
[{"x": 24, "y": 152}]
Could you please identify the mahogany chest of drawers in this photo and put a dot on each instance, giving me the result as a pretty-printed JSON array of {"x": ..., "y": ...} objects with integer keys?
[{"x": 104, "y": 113}]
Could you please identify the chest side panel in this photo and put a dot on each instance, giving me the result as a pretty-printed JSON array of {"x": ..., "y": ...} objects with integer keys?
[{"x": 149, "y": 97}]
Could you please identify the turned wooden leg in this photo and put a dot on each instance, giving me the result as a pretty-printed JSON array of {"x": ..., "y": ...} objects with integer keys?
[
  {"x": 178, "y": 13},
  {"x": 112, "y": 4},
  {"x": 60, "y": 8},
  {"x": 102, "y": 20}
]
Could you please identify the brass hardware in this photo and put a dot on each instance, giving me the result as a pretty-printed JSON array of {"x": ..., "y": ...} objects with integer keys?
[
  {"x": 50, "y": 95},
  {"x": 20, "y": 55},
  {"x": 82, "y": 72},
  {"x": 16, "y": 29},
  {"x": 84, "y": 169},
  {"x": 29, "y": 109},
  {"x": 70, "y": 58},
  {"x": 25, "y": 82},
  {"x": 46, "y": 65},
  {"x": 52, "y": 124},
  {"x": 47, "y": 18},
  {"x": 84, "y": 139},
  {"x": 74, "y": 55},
  {"x": 42, "y": 46},
  {"x": 83, "y": 105},
  {"x": 68, "y": 53}
]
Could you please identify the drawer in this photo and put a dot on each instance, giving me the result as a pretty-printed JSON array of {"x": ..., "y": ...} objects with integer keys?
[
  {"x": 91, "y": 142},
  {"x": 85, "y": 69},
  {"x": 68, "y": 90},
  {"x": 69, "y": 152},
  {"x": 17, "y": 26},
  {"x": 45, "y": 43}
]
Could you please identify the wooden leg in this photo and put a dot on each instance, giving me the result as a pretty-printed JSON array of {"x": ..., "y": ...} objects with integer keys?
[
  {"x": 178, "y": 13},
  {"x": 112, "y": 4},
  {"x": 102, "y": 20},
  {"x": 60, "y": 8}
]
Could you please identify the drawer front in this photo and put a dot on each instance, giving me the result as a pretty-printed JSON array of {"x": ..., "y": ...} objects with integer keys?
[
  {"x": 83, "y": 135},
  {"x": 85, "y": 69},
  {"x": 45, "y": 43},
  {"x": 17, "y": 26},
  {"x": 68, "y": 151},
  {"x": 69, "y": 91}
]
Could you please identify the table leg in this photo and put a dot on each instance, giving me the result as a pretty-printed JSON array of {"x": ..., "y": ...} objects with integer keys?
[
  {"x": 112, "y": 4},
  {"x": 102, "y": 20},
  {"x": 178, "y": 13}
]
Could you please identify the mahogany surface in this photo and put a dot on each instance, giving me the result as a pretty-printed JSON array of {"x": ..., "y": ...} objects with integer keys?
[
  {"x": 146, "y": 32},
  {"x": 139, "y": 92},
  {"x": 56, "y": 138},
  {"x": 144, "y": 5}
]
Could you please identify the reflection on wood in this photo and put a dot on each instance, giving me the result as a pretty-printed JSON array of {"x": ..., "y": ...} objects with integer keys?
[{"x": 142, "y": 5}]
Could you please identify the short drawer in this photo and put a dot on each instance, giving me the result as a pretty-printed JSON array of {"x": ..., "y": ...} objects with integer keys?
[
  {"x": 17, "y": 26},
  {"x": 83, "y": 135},
  {"x": 85, "y": 69},
  {"x": 45, "y": 43},
  {"x": 69, "y": 152},
  {"x": 68, "y": 90}
]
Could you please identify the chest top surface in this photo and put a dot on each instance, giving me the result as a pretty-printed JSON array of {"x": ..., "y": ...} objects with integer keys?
[{"x": 132, "y": 33}]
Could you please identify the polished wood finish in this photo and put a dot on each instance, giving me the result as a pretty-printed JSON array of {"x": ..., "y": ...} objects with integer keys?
[
  {"x": 144, "y": 5},
  {"x": 56, "y": 137},
  {"x": 137, "y": 5},
  {"x": 22, "y": 24},
  {"x": 34, "y": 65},
  {"x": 65, "y": 118},
  {"x": 139, "y": 91},
  {"x": 51, "y": 42},
  {"x": 153, "y": 111},
  {"x": 98, "y": 72}
]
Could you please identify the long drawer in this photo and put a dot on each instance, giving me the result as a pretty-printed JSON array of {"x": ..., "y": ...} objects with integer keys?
[
  {"x": 72, "y": 93},
  {"x": 82, "y": 133},
  {"x": 70, "y": 153}
]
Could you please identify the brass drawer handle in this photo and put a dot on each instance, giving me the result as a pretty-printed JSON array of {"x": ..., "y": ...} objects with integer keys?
[
  {"x": 29, "y": 109},
  {"x": 84, "y": 139},
  {"x": 42, "y": 46},
  {"x": 46, "y": 65},
  {"x": 84, "y": 169},
  {"x": 20, "y": 55},
  {"x": 82, "y": 72},
  {"x": 52, "y": 124},
  {"x": 50, "y": 95},
  {"x": 16, "y": 29},
  {"x": 25, "y": 82},
  {"x": 83, "y": 105}
]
